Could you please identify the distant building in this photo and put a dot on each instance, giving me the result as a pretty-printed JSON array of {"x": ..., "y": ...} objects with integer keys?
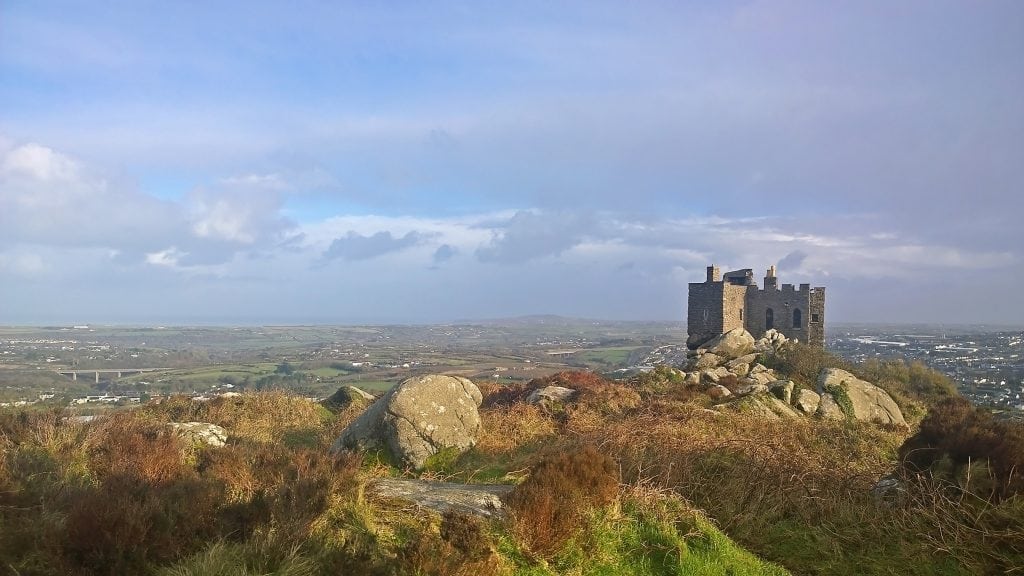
[{"x": 723, "y": 303}]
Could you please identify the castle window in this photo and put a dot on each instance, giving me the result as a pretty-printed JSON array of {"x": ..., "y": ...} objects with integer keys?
[
  {"x": 797, "y": 320},
  {"x": 769, "y": 319},
  {"x": 741, "y": 314},
  {"x": 815, "y": 318}
]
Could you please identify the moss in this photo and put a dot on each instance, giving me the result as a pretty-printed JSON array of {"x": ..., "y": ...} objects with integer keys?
[
  {"x": 840, "y": 393},
  {"x": 443, "y": 460}
]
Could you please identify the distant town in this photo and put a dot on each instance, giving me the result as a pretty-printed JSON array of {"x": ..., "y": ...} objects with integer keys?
[{"x": 86, "y": 367}]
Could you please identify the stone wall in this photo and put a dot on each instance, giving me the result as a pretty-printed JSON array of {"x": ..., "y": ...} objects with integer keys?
[
  {"x": 704, "y": 318},
  {"x": 715, "y": 307},
  {"x": 783, "y": 303},
  {"x": 733, "y": 307},
  {"x": 816, "y": 323}
]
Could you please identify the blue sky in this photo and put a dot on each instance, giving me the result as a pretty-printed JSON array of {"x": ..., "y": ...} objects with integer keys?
[{"x": 420, "y": 162}]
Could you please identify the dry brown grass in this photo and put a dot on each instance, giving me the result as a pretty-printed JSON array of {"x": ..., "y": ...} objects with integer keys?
[
  {"x": 124, "y": 445},
  {"x": 704, "y": 456},
  {"x": 547, "y": 509},
  {"x": 461, "y": 548},
  {"x": 507, "y": 429},
  {"x": 259, "y": 417}
]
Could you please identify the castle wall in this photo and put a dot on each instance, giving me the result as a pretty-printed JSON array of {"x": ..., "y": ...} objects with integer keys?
[
  {"x": 816, "y": 321},
  {"x": 734, "y": 311},
  {"x": 783, "y": 303},
  {"x": 716, "y": 306},
  {"x": 704, "y": 317}
]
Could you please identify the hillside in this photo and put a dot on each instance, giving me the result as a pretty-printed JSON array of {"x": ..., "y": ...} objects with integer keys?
[{"x": 649, "y": 475}]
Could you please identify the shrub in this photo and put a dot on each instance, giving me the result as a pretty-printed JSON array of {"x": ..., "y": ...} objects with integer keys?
[
  {"x": 802, "y": 363},
  {"x": 548, "y": 507},
  {"x": 124, "y": 445},
  {"x": 958, "y": 434},
  {"x": 463, "y": 548},
  {"x": 126, "y": 523},
  {"x": 908, "y": 381}
]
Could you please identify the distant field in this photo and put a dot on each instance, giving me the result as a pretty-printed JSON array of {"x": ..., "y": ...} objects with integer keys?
[
  {"x": 375, "y": 386},
  {"x": 616, "y": 357}
]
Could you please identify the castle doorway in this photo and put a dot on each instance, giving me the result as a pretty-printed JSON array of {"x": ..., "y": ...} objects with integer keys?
[
  {"x": 769, "y": 319},
  {"x": 797, "y": 318}
]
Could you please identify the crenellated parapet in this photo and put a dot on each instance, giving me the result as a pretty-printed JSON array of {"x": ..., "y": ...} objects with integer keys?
[{"x": 733, "y": 300}]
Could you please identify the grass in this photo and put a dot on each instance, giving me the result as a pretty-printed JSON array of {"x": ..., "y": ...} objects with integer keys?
[
  {"x": 372, "y": 386},
  {"x": 629, "y": 478},
  {"x": 604, "y": 358}
]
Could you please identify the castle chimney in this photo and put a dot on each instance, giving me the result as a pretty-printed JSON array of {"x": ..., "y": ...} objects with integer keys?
[
  {"x": 771, "y": 282},
  {"x": 714, "y": 275}
]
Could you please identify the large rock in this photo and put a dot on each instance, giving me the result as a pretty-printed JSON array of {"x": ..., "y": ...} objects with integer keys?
[
  {"x": 550, "y": 394},
  {"x": 201, "y": 433},
  {"x": 829, "y": 409},
  {"x": 771, "y": 342},
  {"x": 418, "y": 418},
  {"x": 717, "y": 392},
  {"x": 766, "y": 376},
  {"x": 714, "y": 375},
  {"x": 707, "y": 360},
  {"x": 867, "y": 401},
  {"x": 752, "y": 389},
  {"x": 807, "y": 401},
  {"x": 346, "y": 396},
  {"x": 760, "y": 404},
  {"x": 732, "y": 344},
  {"x": 479, "y": 499},
  {"x": 739, "y": 369},
  {"x": 783, "y": 390}
]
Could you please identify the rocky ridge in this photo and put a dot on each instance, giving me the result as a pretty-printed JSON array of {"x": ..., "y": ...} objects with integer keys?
[{"x": 727, "y": 368}]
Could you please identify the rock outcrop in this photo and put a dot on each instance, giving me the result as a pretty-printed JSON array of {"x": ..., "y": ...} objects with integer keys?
[
  {"x": 550, "y": 394},
  {"x": 783, "y": 390},
  {"x": 418, "y": 418},
  {"x": 729, "y": 363},
  {"x": 479, "y": 499},
  {"x": 201, "y": 433},
  {"x": 772, "y": 342},
  {"x": 806, "y": 401},
  {"x": 732, "y": 344},
  {"x": 345, "y": 397},
  {"x": 859, "y": 399},
  {"x": 829, "y": 409}
]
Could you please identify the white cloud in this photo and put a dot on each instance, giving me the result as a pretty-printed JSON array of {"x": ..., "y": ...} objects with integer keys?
[
  {"x": 38, "y": 162},
  {"x": 168, "y": 258}
]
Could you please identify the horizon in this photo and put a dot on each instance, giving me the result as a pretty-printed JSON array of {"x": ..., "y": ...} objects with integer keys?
[
  {"x": 496, "y": 321},
  {"x": 418, "y": 164}
]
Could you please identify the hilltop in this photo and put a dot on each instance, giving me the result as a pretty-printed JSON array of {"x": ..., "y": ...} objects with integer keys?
[{"x": 645, "y": 475}]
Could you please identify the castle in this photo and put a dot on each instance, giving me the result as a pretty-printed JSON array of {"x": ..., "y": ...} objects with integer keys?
[{"x": 723, "y": 303}]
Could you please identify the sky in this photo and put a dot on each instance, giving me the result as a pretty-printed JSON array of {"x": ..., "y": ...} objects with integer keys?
[{"x": 409, "y": 162}]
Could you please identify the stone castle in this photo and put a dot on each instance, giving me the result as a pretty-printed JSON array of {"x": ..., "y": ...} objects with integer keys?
[{"x": 723, "y": 303}]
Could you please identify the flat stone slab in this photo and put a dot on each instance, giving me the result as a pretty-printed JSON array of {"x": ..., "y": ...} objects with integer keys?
[{"x": 479, "y": 499}]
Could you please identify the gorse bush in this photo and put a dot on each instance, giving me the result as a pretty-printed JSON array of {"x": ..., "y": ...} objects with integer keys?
[
  {"x": 964, "y": 445},
  {"x": 906, "y": 382},
  {"x": 802, "y": 363}
]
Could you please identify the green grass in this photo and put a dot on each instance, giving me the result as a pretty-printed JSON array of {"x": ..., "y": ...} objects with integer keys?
[
  {"x": 645, "y": 537},
  {"x": 604, "y": 357},
  {"x": 372, "y": 386},
  {"x": 328, "y": 372}
]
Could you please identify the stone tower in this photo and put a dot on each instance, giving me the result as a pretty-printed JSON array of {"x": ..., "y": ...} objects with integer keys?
[{"x": 725, "y": 302}]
